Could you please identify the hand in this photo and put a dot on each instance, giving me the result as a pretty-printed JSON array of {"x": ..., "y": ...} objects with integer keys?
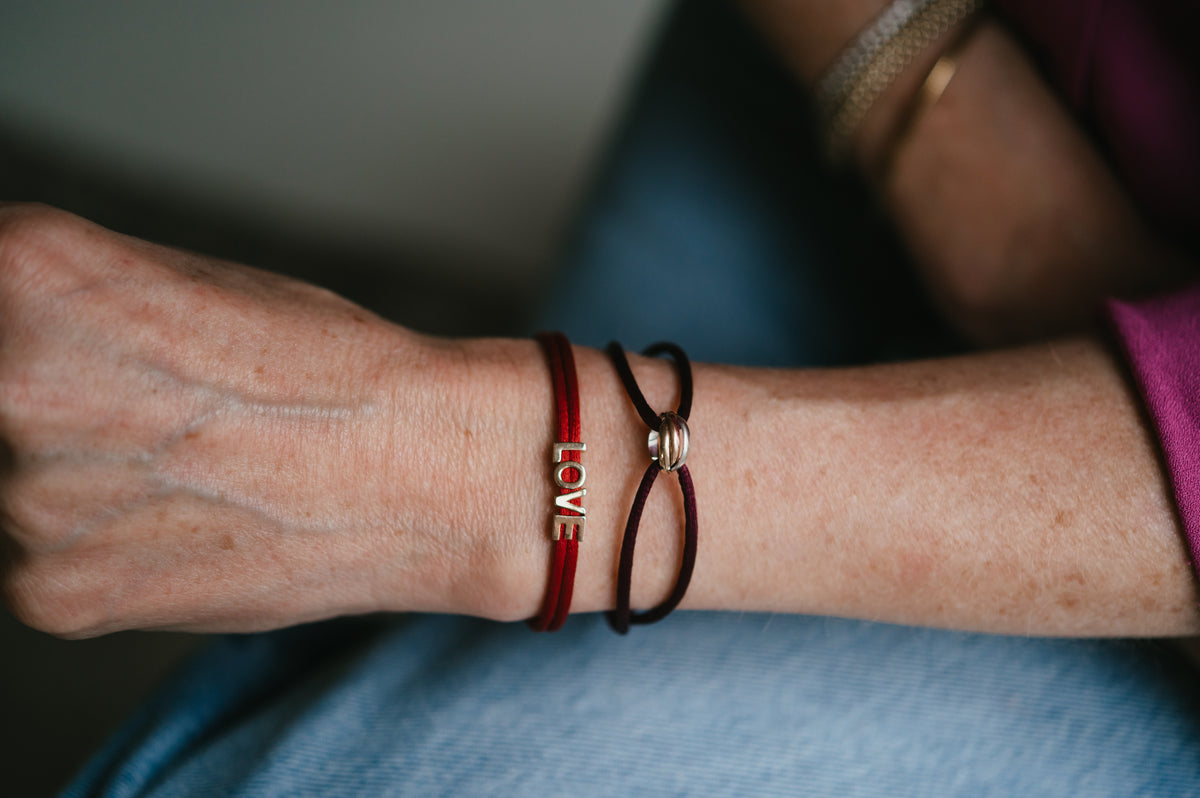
[{"x": 198, "y": 445}]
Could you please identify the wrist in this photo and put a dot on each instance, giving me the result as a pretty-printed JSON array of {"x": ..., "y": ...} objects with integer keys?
[
  {"x": 886, "y": 125},
  {"x": 473, "y": 494},
  {"x": 467, "y": 428}
]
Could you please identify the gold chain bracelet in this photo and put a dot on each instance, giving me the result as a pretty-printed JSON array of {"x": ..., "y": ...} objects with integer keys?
[{"x": 925, "y": 27}]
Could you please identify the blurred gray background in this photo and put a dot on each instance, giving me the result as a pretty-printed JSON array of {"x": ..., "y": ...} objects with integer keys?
[{"x": 421, "y": 156}]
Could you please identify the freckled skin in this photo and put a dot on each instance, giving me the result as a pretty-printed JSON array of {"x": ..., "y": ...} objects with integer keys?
[
  {"x": 199, "y": 445},
  {"x": 156, "y": 479},
  {"x": 155, "y": 401}
]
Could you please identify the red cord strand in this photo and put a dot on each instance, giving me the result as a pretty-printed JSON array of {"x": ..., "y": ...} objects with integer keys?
[{"x": 561, "y": 585}]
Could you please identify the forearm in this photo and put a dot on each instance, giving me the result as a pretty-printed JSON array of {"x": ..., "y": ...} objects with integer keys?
[
  {"x": 1013, "y": 492},
  {"x": 197, "y": 445},
  {"x": 1013, "y": 218}
]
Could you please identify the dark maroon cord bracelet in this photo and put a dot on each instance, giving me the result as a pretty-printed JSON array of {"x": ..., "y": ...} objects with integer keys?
[{"x": 668, "y": 445}]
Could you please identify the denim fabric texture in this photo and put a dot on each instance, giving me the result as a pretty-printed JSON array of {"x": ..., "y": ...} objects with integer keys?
[
  {"x": 709, "y": 196},
  {"x": 701, "y": 704}
]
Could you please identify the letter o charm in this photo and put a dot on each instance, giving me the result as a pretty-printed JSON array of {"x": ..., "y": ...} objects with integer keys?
[{"x": 563, "y": 466}]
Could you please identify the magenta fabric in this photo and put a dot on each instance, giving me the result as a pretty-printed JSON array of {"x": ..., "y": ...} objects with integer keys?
[
  {"x": 1161, "y": 338},
  {"x": 1131, "y": 71}
]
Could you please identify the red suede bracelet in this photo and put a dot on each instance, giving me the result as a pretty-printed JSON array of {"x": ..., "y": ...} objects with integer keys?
[{"x": 569, "y": 476}]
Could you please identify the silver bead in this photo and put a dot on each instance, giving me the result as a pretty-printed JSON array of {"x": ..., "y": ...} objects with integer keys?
[{"x": 669, "y": 443}]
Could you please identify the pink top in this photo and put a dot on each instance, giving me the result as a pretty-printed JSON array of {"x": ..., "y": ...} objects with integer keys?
[
  {"x": 1161, "y": 338},
  {"x": 1131, "y": 70}
]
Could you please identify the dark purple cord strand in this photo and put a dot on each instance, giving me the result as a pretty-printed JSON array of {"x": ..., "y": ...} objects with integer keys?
[{"x": 623, "y": 616}]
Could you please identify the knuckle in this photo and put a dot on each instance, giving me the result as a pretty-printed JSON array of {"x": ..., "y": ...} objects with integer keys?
[
  {"x": 36, "y": 240},
  {"x": 31, "y": 227},
  {"x": 20, "y": 402},
  {"x": 24, "y": 518},
  {"x": 15, "y": 525},
  {"x": 38, "y": 594}
]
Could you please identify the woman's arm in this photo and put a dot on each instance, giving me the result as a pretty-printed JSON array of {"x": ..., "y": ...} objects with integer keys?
[
  {"x": 198, "y": 445},
  {"x": 1017, "y": 224},
  {"x": 1011, "y": 492}
]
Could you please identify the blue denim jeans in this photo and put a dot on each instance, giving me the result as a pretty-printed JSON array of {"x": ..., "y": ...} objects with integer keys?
[{"x": 709, "y": 202}]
